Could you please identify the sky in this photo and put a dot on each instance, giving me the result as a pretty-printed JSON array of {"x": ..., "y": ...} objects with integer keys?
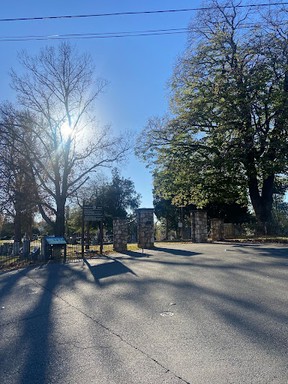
[{"x": 137, "y": 68}]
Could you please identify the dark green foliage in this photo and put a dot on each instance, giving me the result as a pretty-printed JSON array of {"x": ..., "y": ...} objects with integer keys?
[
  {"x": 164, "y": 209},
  {"x": 230, "y": 213},
  {"x": 118, "y": 199},
  {"x": 226, "y": 141}
]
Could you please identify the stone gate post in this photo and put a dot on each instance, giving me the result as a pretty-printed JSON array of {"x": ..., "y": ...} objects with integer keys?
[
  {"x": 145, "y": 227},
  {"x": 217, "y": 229},
  {"x": 120, "y": 235},
  {"x": 199, "y": 233}
]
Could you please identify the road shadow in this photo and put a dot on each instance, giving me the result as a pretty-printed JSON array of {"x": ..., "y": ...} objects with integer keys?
[
  {"x": 231, "y": 292},
  {"x": 34, "y": 337},
  {"x": 176, "y": 252},
  {"x": 275, "y": 252},
  {"x": 144, "y": 253},
  {"x": 109, "y": 268}
]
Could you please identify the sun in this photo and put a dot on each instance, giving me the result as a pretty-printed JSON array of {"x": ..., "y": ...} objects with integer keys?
[{"x": 66, "y": 130}]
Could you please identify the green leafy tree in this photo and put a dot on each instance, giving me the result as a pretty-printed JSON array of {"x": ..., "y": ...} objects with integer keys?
[
  {"x": 118, "y": 198},
  {"x": 280, "y": 207},
  {"x": 227, "y": 138},
  {"x": 7, "y": 228},
  {"x": 167, "y": 213},
  {"x": 280, "y": 216},
  {"x": 73, "y": 221}
]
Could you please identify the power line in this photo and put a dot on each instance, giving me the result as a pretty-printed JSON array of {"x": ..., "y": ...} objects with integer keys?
[
  {"x": 111, "y": 35},
  {"x": 133, "y": 13},
  {"x": 105, "y": 35}
]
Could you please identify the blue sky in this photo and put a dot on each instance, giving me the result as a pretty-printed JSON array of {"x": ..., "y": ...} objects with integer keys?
[{"x": 137, "y": 68}]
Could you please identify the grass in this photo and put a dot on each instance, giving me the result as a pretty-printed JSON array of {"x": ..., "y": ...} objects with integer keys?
[
  {"x": 260, "y": 239},
  {"x": 74, "y": 251}
]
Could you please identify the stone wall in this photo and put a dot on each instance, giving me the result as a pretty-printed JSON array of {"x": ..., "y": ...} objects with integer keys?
[
  {"x": 145, "y": 227},
  {"x": 120, "y": 235},
  {"x": 217, "y": 229},
  {"x": 199, "y": 233}
]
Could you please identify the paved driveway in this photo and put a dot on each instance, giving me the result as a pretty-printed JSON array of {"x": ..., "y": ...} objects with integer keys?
[{"x": 182, "y": 313}]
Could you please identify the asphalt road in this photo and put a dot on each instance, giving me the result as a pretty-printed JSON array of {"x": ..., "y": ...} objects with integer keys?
[{"x": 187, "y": 313}]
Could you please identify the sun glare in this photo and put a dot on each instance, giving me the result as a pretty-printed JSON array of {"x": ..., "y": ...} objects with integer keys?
[{"x": 66, "y": 130}]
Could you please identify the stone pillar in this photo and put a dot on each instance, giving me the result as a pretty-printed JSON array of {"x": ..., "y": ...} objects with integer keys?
[
  {"x": 199, "y": 233},
  {"x": 217, "y": 229},
  {"x": 145, "y": 227},
  {"x": 229, "y": 231},
  {"x": 120, "y": 235}
]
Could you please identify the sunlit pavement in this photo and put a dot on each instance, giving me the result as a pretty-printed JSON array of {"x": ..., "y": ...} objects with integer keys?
[{"x": 181, "y": 313}]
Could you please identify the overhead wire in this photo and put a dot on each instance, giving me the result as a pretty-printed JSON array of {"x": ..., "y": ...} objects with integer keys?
[
  {"x": 109, "y": 35},
  {"x": 119, "y": 34},
  {"x": 96, "y": 35},
  {"x": 133, "y": 13}
]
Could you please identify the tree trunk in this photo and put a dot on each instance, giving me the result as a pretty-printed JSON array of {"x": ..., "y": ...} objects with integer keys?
[
  {"x": 17, "y": 227},
  {"x": 18, "y": 216},
  {"x": 262, "y": 204},
  {"x": 59, "y": 227},
  {"x": 167, "y": 229}
]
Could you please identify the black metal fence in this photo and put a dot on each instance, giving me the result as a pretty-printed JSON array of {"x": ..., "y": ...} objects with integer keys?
[{"x": 14, "y": 255}]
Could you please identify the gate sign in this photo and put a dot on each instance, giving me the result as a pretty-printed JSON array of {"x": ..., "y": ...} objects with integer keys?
[{"x": 92, "y": 213}]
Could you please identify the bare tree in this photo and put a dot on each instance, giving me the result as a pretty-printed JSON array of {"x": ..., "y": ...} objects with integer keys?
[{"x": 57, "y": 92}]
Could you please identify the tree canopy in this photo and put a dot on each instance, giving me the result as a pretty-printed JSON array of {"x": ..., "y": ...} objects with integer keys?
[
  {"x": 226, "y": 139},
  {"x": 118, "y": 198}
]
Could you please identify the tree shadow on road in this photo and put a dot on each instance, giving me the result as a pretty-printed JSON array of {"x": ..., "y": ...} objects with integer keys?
[
  {"x": 110, "y": 267},
  {"x": 274, "y": 252},
  {"x": 144, "y": 253},
  {"x": 176, "y": 252},
  {"x": 32, "y": 348}
]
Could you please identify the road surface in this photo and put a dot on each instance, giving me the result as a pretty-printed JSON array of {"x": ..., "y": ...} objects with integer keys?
[{"x": 181, "y": 313}]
